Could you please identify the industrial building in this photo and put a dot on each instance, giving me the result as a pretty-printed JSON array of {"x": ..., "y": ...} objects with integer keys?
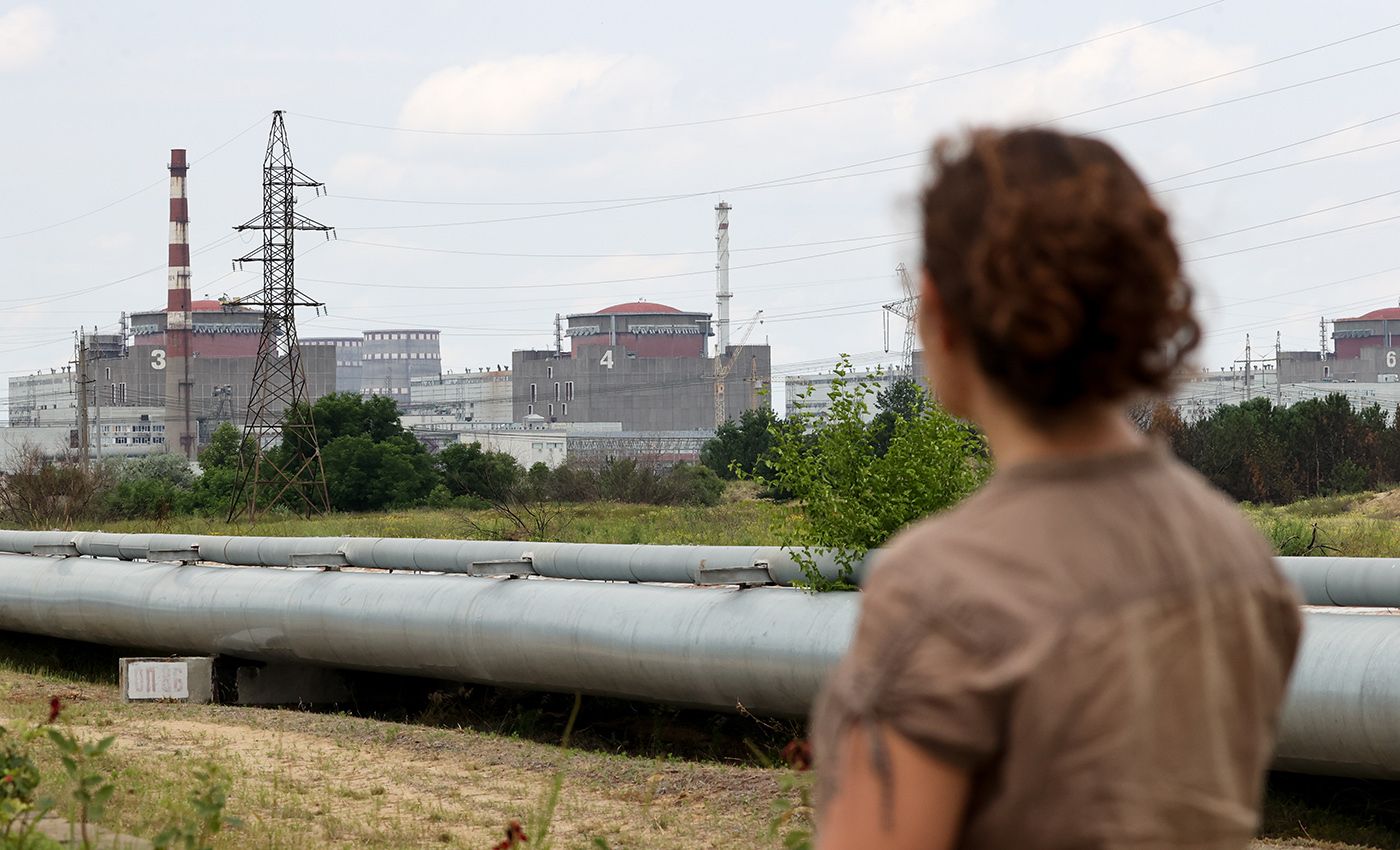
[
  {"x": 171, "y": 375},
  {"x": 393, "y": 358},
  {"x": 1363, "y": 365},
  {"x": 644, "y": 365},
  {"x": 480, "y": 396},
  {"x": 587, "y": 444},
  {"x": 809, "y": 393},
  {"x": 349, "y": 351}
]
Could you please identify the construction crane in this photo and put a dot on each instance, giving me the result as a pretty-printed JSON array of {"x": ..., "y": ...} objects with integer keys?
[
  {"x": 723, "y": 369},
  {"x": 905, "y": 308}
]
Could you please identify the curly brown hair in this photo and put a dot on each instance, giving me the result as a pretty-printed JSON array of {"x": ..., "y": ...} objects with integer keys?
[{"x": 1048, "y": 251}]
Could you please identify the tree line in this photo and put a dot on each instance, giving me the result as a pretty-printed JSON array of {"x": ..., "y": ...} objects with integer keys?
[
  {"x": 371, "y": 463},
  {"x": 1260, "y": 452}
]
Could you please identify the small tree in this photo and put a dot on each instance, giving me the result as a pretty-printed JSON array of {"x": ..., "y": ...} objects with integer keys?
[
  {"x": 738, "y": 448},
  {"x": 47, "y": 492},
  {"x": 902, "y": 400},
  {"x": 469, "y": 470},
  {"x": 854, "y": 495}
]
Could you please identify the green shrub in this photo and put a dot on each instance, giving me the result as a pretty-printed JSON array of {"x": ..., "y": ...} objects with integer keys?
[{"x": 859, "y": 482}]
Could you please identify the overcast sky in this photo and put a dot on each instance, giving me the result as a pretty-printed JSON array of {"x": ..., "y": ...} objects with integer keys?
[{"x": 453, "y": 227}]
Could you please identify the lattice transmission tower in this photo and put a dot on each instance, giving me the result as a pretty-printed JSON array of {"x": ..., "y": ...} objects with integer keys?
[
  {"x": 285, "y": 466},
  {"x": 906, "y": 309}
]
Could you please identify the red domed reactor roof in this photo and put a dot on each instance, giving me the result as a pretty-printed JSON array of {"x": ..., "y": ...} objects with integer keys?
[
  {"x": 638, "y": 307},
  {"x": 206, "y": 306},
  {"x": 1383, "y": 313}
]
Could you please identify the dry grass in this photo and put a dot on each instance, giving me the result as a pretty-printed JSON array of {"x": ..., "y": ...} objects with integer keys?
[
  {"x": 741, "y": 522},
  {"x": 330, "y": 781}
]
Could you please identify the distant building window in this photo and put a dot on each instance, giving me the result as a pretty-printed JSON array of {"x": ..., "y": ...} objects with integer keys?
[
  {"x": 569, "y": 390},
  {"x": 549, "y": 372},
  {"x": 565, "y": 410},
  {"x": 530, "y": 410},
  {"x": 109, "y": 373},
  {"x": 556, "y": 390},
  {"x": 533, "y": 395}
]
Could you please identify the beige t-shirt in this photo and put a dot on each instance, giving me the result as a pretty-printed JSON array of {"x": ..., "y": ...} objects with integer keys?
[{"x": 1104, "y": 644}]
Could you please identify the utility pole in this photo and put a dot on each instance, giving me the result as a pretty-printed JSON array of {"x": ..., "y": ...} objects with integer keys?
[
  {"x": 1248, "y": 369},
  {"x": 1278, "y": 362},
  {"x": 97, "y": 412},
  {"x": 1322, "y": 337},
  {"x": 80, "y": 386},
  {"x": 278, "y": 403},
  {"x": 558, "y": 335}
]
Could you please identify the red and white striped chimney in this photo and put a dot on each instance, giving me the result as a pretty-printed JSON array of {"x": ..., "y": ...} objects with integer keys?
[{"x": 179, "y": 426}]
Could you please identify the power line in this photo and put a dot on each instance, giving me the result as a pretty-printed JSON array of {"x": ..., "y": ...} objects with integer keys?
[
  {"x": 1273, "y": 168},
  {"x": 1302, "y": 238},
  {"x": 75, "y": 293},
  {"x": 128, "y": 197},
  {"x": 644, "y": 278},
  {"x": 627, "y": 255},
  {"x": 1292, "y": 217},
  {"x": 1241, "y": 98},
  {"x": 1276, "y": 149},
  {"x": 780, "y": 111},
  {"x": 795, "y": 181}
]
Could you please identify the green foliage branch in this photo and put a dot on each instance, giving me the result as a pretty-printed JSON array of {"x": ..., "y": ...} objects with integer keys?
[{"x": 860, "y": 478}]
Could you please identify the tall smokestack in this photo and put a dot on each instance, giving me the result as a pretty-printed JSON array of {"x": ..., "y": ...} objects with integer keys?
[
  {"x": 722, "y": 295},
  {"x": 179, "y": 425}
]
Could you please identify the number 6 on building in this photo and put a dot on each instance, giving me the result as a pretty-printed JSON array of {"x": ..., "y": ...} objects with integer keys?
[{"x": 1390, "y": 360}]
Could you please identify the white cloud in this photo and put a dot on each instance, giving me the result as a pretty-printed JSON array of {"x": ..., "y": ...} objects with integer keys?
[
  {"x": 884, "y": 28},
  {"x": 25, "y": 33},
  {"x": 1090, "y": 76},
  {"x": 507, "y": 94}
]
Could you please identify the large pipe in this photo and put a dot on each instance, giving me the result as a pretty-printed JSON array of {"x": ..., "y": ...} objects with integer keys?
[
  {"x": 1342, "y": 717},
  {"x": 1365, "y": 582},
  {"x": 765, "y": 648},
  {"x": 599, "y": 561},
  {"x": 1358, "y": 582}
]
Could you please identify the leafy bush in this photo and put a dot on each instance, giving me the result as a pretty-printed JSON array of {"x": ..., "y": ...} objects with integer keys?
[
  {"x": 859, "y": 484},
  {"x": 469, "y": 470},
  {"x": 739, "y": 448},
  {"x": 47, "y": 492}
]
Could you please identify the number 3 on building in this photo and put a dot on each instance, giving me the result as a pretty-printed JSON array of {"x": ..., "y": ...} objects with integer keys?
[
  {"x": 1390, "y": 360},
  {"x": 158, "y": 359},
  {"x": 607, "y": 361}
]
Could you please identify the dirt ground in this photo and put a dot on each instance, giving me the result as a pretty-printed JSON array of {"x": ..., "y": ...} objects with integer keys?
[
  {"x": 309, "y": 780},
  {"x": 306, "y": 780}
]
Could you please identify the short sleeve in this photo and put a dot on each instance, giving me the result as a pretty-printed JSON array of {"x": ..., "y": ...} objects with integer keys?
[{"x": 937, "y": 657}]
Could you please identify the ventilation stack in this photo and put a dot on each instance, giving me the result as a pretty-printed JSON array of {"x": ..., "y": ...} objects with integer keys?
[
  {"x": 722, "y": 294},
  {"x": 179, "y": 419}
]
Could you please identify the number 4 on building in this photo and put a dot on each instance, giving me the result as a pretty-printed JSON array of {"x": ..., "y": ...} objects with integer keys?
[{"x": 607, "y": 361}]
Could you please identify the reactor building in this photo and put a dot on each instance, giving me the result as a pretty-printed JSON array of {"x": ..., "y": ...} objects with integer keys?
[
  {"x": 173, "y": 374},
  {"x": 641, "y": 364}
]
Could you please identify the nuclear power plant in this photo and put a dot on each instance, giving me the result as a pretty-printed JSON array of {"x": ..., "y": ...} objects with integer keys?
[{"x": 631, "y": 378}]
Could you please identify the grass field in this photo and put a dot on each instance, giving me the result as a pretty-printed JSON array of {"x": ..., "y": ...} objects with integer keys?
[
  {"x": 1364, "y": 525},
  {"x": 740, "y": 522},
  {"x": 452, "y": 776}
]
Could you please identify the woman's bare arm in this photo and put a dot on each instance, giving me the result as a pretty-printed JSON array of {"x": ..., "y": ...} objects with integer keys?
[{"x": 926, "y": 805}]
